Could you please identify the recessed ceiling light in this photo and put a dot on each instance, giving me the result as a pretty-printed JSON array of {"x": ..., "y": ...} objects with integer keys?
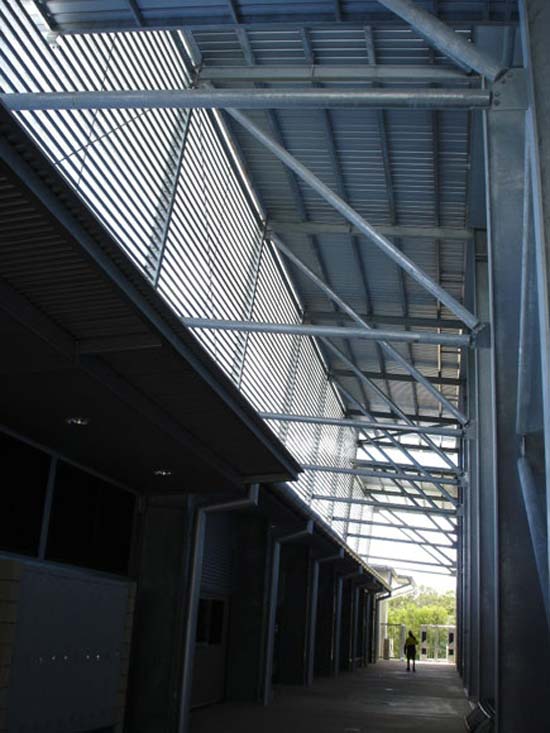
[
  {"x": 77, "y": 420},
  {"x": 162, "y": 472}
]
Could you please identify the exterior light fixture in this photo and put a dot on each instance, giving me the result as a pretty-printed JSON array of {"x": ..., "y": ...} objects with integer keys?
[
  {"x": 78, "y": 421},
  {"x": 164, "y": 472}
]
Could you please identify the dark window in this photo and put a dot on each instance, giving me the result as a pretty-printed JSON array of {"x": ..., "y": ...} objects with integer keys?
[
  {"x": 91, "y": 521},
  {"x": 24, "y": 478},
  {"x": 210, "y": 621},
  {"x": 217, "y": 614},
  {"x": 202, "y": 621}
]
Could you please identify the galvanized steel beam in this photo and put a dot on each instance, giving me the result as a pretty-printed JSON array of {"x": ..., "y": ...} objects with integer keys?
[
  {"x": 406, "y": 466},
  {"x": 357, "y": 220},
  {"x": 386, "y": 505},
  {"x": 432, "y": 419},
  {"x": 400, "y": 560},
  {"x": 282, "y": 226},
  {"x": 383, "y": 475},
  {"x": 390, "y": 377},
  {"x": 326, "y": 73},
  {"x": 400, "y": 540},
  {"x": 438, "y": 34},
  {"x": 376, "y": 442},
  {"x": 517, "y": 682},
  {"x": 363, "y": 424},
  {"x": 421, "y": 337},
  {"x": 250, "y": 99}
]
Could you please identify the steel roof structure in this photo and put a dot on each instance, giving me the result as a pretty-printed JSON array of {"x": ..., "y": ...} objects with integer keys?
[{"x": 366, "y": 163}]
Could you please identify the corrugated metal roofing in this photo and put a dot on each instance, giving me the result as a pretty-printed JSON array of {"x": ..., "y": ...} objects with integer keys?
[{"x": 76, "y": 15}]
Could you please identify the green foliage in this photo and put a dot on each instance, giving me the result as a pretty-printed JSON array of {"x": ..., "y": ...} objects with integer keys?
[{"x": 424, "y": 606}]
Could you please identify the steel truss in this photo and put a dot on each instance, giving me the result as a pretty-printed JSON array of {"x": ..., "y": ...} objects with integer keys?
[{"x": 501, "y": 512}]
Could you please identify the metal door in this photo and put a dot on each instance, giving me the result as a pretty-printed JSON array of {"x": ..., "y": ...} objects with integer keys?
[{"x": 210, "y": 651}]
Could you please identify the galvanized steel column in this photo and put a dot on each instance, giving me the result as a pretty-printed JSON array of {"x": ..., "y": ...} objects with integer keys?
[
  {"x": 535, "y": 24},
  {"x": 520, "y": 678}
]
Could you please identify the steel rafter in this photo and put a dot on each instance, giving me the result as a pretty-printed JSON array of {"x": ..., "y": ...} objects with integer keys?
[
  {"x": 386, "y": 505},
  {"x": 340, "y": 332},
  {"x": 363, "y": 424},
  {"x": 438, "y": 33},
  {"x": 399, "y": 540},
  {"x": 315, "y": 73},
  {"x": 284, "y": 226}
]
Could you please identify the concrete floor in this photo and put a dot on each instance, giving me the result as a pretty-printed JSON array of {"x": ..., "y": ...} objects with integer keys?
[{"x": 379, "y": 699}]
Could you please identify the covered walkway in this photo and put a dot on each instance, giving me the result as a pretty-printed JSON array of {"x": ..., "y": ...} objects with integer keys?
[
  {"x": 275, "y": 328},
  {"x": 382, "y": 697}
]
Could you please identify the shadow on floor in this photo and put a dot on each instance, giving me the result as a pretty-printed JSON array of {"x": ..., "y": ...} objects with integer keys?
[{"x": 382, "y": 698}]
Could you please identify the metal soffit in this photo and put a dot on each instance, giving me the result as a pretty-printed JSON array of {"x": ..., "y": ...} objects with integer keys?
[
  {"x": 75, "y": 15},
  {"x": 65, "y": 280}
]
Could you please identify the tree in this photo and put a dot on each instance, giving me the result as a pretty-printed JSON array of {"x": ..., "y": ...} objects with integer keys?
[{"x": 424, "y": 606}]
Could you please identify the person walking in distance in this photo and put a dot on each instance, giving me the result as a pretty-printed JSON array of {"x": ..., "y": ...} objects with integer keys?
[{"x": 410, "y": 651}]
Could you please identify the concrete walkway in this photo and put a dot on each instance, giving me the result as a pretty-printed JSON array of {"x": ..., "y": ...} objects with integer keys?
[{"x": 379, "y": 699}]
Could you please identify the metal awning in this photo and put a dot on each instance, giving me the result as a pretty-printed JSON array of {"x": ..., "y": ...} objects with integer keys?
[{"x": 80, "y": 319}]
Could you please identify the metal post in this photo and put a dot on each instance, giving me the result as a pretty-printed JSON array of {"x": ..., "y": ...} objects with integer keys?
[
  {"x": 271, "y": 620},
  {"x": 354, "y": 628},
  {"x": 534, "y": 500},
  {"x": 312, "y": 622},
  {"x": 519, "y": 682},
  {"x": 353, "y": 614},
  {"x": 356, "y": 220},
  {"x": 272, "y": 610},
  {"x": 370, "y": 628},
  {"x": 535, "y": 21},
  {"x": 47, "y": 510},
  {"x": 193, "y": 594},
  {"x": 377, "y": 624},
  {"x": 337, "y": 626},
  {"x": 438, "y": 34},
  {"x": 314, "y": 596},
  {"x": 250, "y": 99}
]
